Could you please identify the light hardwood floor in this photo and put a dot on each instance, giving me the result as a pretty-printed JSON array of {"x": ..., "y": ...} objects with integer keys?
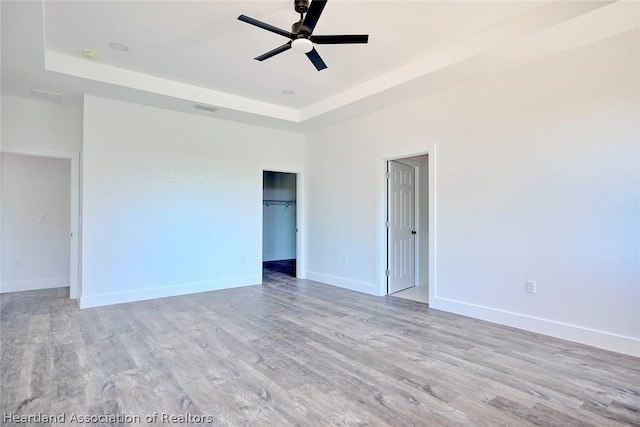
[
  {"x": 296, "y": 352},
  {"x": 415, "y": 293}
]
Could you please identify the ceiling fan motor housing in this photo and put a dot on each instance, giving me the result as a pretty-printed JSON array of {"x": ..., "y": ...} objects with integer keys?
[
  {"x": 295, "y": 29},
  {"x": 301, "y": 6}
]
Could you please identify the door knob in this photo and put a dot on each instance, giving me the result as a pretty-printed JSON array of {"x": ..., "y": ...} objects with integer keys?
[{"x": 413, "y": 231}]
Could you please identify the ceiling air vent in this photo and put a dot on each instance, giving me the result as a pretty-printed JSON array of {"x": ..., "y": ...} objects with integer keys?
[
  {"x": 206, "y": 107},
  {"x": 43, "y": 94}
]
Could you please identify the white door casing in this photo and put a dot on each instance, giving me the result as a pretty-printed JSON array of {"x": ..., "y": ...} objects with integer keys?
[{"x": 401, "y": 227}]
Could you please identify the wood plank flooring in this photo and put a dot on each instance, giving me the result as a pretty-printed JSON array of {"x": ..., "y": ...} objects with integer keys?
[
  {"x": 415, "y": 293},
  {"x": 284, "y": 266},
  {"x": 298, "y": 353}
]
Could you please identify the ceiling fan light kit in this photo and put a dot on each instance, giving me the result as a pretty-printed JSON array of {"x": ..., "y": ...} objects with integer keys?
[
  {"x": 301, "y": 34},
  {"x": 302, "y": 45}
]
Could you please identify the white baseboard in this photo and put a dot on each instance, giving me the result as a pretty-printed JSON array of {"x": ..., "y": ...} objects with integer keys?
[
  {"x": 98, "y": 300},
  {"x": 33, "y": 285},
  {"x": 592, "y": 337},
  {"x": 367, "y": 288}
]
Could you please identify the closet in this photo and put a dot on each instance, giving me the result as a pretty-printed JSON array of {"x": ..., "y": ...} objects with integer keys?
[{"x": 279, "y": 222}]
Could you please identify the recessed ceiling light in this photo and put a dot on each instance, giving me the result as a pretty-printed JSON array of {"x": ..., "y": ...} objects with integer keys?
[
  {"x": 287, "y": 92},
  {"x": 89, "y": 53},
  {"x": 118, "y": 46},
  {"x": 45, "y": 94}
]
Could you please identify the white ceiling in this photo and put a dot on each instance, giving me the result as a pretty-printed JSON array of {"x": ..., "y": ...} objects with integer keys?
[{"x": 183, "y": 52}]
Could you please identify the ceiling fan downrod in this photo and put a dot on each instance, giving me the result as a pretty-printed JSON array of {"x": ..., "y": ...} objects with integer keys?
[{"x": 301, "y": 6}]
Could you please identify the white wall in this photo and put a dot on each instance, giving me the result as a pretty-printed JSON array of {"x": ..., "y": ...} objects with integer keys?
[
  {"x": 35, "y": 222},
  {"x": 37, "y": 124},
  {"x": 145, "y": 236},
  {"x": 279, "y": 221},
  {"x": 537, "y": 177}
]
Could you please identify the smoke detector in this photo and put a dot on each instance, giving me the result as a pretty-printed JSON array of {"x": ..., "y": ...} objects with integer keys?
[{"x": 89, "y": 53}]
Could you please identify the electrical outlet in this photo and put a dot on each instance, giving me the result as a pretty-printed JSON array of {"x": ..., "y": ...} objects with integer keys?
[
  {"x": 530, "y": 286},
  {"x": 346, "y": 260},
  {"x": 172, "y": 177}
]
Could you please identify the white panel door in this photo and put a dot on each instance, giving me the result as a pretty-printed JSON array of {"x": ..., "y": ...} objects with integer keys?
[{"x": 401, "y": 227}]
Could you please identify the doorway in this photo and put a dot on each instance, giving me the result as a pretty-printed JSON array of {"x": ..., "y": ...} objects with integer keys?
[
  {"x": 73, "y": 158},
  {"x": 279, "y": 225},
  {"x": 407, "y": 227},
  {"x": 36, "y": 222}
]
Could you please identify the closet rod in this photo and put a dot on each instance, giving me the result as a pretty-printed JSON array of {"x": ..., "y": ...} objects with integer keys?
[{"x": 279, "y": 202}]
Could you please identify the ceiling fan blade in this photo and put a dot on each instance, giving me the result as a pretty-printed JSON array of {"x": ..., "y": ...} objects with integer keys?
[
  {"x": 274, "y": 52},
  {"x": 352, "y": 38},
  {"x": 312, "y": 16},
  {"x": 314, "y": 56},
  {"x": 265, "y": 26}
]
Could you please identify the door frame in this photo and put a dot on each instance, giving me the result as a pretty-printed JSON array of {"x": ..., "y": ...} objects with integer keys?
[
  {"x": 430, "y": 151},
  {"x": 301, "y": 235},
  {"x": 75, "y": 286}
]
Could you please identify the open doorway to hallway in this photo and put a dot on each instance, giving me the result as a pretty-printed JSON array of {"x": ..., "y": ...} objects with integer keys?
[
  {"x": 408, "y": 228},
  {"x": 36, "y": 223},
  {"x": 279, "y": 225}
]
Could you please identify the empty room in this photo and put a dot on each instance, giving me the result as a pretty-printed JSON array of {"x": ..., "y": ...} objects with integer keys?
[{"x": 314, "y": 213}]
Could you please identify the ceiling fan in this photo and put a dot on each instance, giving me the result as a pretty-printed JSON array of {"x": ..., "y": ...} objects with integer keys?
[{"x": 301, "y": 35}]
